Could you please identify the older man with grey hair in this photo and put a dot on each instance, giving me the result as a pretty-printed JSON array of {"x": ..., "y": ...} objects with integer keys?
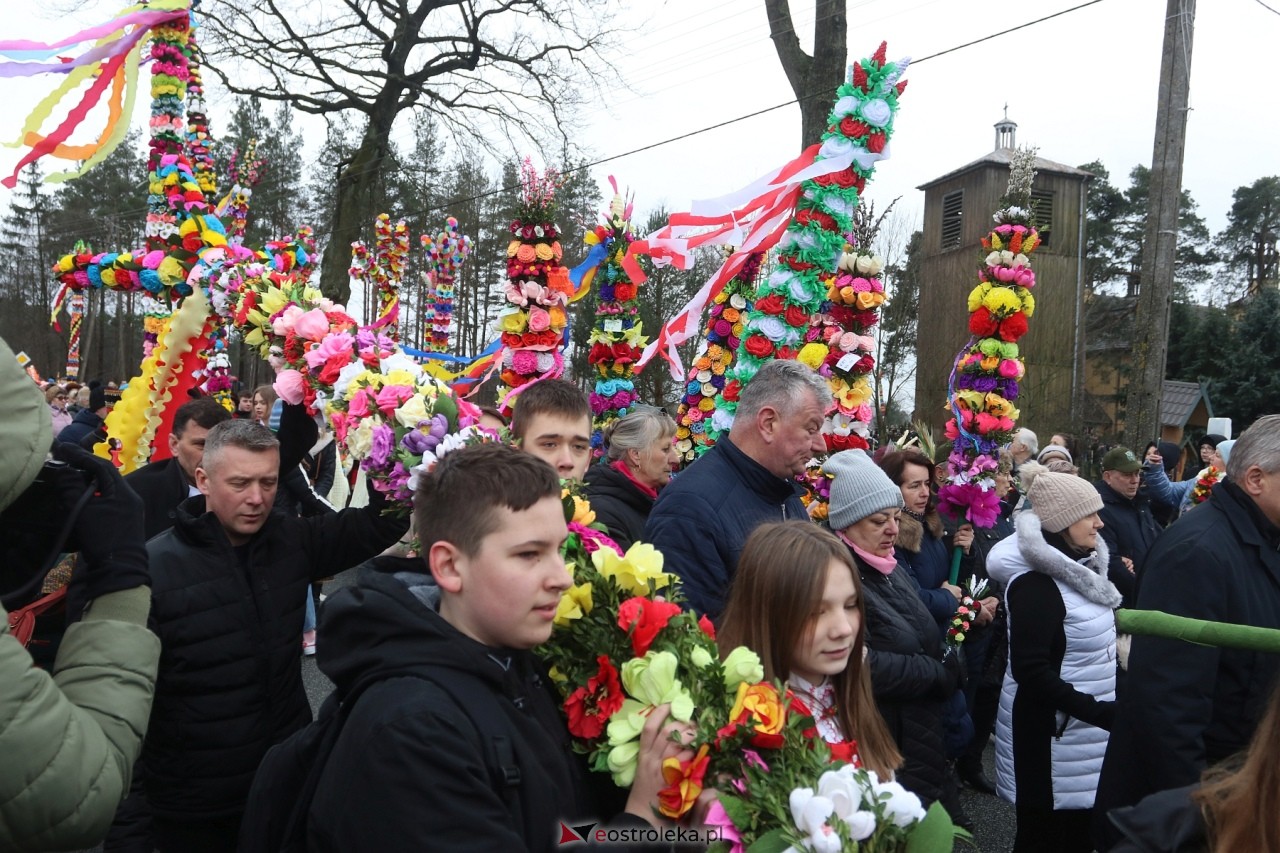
[
  {"x": 1186, "y": 706},
  {"x": 701, "y": 521}
]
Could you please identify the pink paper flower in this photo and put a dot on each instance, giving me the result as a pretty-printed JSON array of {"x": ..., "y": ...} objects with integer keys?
[
  {"x": 391, "y": 396},
  {"x": 716, "y": 816},
  {"x": 524, "y": 362},
  {"x": 539, "y": 320},
  {"x": 289, "y": 386},
  {"x": 335, "y": 344},
  {"x": 313, "y": 325},
  {"x": 283, "y": 323}
]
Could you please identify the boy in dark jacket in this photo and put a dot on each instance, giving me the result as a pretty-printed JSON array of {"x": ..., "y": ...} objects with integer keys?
[{"x": 420, "y": 763}]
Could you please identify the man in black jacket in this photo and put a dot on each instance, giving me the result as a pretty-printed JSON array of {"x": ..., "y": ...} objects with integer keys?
[
  {"x": 702, "y": 520},
  {"x": 229, "y": 586},
  {"x": 164, "y": 484},
  {"x": 1130, "y": 529},
  {"x": 1186, "y": 707}
]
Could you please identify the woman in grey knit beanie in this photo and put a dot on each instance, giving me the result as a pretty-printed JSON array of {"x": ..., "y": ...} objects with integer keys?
[{"x": 909, "y": 678}]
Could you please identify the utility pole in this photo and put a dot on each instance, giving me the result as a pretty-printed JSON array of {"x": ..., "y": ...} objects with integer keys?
[{"x": 1160, "y": 243}]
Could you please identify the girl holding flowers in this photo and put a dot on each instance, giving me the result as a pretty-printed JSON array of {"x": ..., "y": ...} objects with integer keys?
[{"x": 797, "y": 602}]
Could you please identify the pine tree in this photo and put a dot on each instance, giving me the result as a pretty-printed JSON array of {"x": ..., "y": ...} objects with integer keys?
[
  {"x": 1250, "y": 385},
  {"x": 26, "y": 256}
]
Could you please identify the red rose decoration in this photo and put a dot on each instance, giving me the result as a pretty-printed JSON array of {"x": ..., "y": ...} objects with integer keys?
[
  {"x": 625, "y": 292},
  {"x": 1014, "y": 327},
  {"x": 771, "y": 304},
  {"x": 599, "y": 352},
  {"x": 759, "y": 346},
  {"x": 332, "y": 367},
  {"x": 836, "y": 443},
  {"x": 786, "y": 353},
  {"x": 644, "y": 620},
  {"x": 865, "y": 364},
  {"x": 707, "y": 628},
  {"x": 589, "y": 708},
  {"x": 981, "y": 323},
  {"x": 844, "y": 753},
  {"x": 876, "y": 143},
  {"x": 796, "y": 316},
  {"x": 512, "y": 340},
  {"x": 732, "y": 389},
  {"x": 853, "y": 128}
]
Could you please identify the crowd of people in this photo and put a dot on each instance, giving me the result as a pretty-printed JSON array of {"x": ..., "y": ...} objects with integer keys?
[{"x": 193, "y": 596}]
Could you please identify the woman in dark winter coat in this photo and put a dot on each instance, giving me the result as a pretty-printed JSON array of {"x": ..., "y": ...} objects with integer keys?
[
  {"x": 639, "y": 453},
  {"x": 924, "y": 546},
  {"x": 909, "y": 677},
  {"x": 1058, "y": 700}
]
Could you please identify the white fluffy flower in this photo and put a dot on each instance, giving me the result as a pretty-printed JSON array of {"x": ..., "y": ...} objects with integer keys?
[
  {"x": 902, "y": 806},
  {"x": 401, "y": 361},
  {"x": 348, "y": 373}
]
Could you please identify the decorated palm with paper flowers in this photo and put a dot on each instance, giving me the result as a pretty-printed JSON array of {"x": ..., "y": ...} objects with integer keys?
[
  {"x": 695, "y": 432},
  {"x": 983, "y": 390},
  {"x": 812, "y": 271},
  {"x": 538, "y": 288},
  {"x": 617, "y": 339}
]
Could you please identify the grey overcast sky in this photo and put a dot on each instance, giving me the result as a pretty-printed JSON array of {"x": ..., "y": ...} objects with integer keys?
[{"x": 1081, "y": 86}]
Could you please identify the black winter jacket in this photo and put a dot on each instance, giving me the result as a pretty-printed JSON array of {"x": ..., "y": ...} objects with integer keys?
[
  {"x": 618, "y": 504},
  {"x": 908, "y": 678},
  {"x": 1130, "y": 530},
  {"x": 701, "y": 521},
  {"x": 1185, "y": 706},
  {"x": 1166, "y": 822},
  {"x": 230, "y": 626},
  {"x": 411, "y": 771},
  {"x": 162, "y": 487}
]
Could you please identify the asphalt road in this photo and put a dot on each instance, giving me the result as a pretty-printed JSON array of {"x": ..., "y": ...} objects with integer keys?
[{"x": 992, "y": 816}]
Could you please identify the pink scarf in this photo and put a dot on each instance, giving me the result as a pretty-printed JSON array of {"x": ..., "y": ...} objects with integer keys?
[
  {"x": 883, "y": 565},
  {"x": 621, "y": 468}
]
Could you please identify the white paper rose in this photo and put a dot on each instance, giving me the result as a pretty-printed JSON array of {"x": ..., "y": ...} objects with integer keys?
[{"x": 876, "y": 112}]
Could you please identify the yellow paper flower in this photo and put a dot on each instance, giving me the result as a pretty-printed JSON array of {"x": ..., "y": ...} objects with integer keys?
[
  {"x": 1028, "y": 303},
  {"x": 634, "y": 572},
  {"x": 514, "y": 322},
  {"x": 977, "y": 295},
  {"x": 412, "y": 411},
  {"x": 582, "y": 512},
  {"x": 813, "y": 355},
  {"x": 400, "y": 377},
  {"x": 574, "y": 604},
  {"x": 1002, "y": 302}
]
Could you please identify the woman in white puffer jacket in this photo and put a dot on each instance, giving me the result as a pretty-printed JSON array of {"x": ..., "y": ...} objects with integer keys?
[{"x": 1058, "y": 699}]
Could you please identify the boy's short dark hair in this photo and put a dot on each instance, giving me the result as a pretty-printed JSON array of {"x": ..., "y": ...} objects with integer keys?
[
  {"x": 548, "y": 397},
  {"x": 455, "y": 502},
  {"x": 203, "y": 412}
]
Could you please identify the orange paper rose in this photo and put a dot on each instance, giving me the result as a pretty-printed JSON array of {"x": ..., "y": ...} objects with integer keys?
[
  {"x": 760, "y": 708},
  {"x": 684, "y": 783}
]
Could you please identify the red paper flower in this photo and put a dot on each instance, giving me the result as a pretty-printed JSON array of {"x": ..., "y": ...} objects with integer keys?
[
  {"x": 1013, "y": 327},
  {"x": 707, "y": 628},
  {"x": 853, "y": 128},
  {"x": 876, "y": 143},
  {"x": 795, "y": 316},
  {"x": 982, "y": 324},
  {"x": 771, "y": 304},
  {"x": 589, "y": 708},
  {"x": 759, "y": 346},
  {"x": 644, "y": 620}
]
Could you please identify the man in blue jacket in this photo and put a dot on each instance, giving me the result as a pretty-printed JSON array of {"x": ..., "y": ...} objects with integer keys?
[{"x": 701, "y": 521}]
